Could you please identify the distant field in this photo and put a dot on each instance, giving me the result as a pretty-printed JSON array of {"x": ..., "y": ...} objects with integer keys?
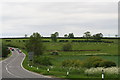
[{"x": 105, "y": 48}]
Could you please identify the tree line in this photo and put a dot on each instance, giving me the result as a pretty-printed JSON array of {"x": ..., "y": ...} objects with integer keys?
[
  {"x": 86, "y": 35},
  {"x": 35, "y": 41}
]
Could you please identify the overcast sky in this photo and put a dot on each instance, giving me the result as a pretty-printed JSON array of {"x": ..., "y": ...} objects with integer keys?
[{"x": 20, "y": 18}]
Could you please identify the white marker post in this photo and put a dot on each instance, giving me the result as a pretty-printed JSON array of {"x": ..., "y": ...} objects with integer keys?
[
  {"x": 37, "y": 67},
  {"x": 48, "y": 70},
  {"x": 67, "y": 73},
  {"x": 102, "y": 75}
]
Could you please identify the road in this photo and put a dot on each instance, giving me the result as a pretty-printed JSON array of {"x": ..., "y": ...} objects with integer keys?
[{"x": 12, "y": 69}]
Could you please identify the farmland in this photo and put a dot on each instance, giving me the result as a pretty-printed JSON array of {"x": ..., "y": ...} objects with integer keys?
[
  {"x": 104, "y": 48},
  {"x": 80, "y": 51}
]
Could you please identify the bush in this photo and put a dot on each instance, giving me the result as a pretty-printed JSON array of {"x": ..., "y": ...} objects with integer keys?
[
  {"x": 106, "y": 64},
  {"x": 67, "y": 47},
  {"x": 77, "y": 63},
  {"x": 98, "y": 70},
  {"x": 42, "y": 60},
  {"x": 5, "y": 51},
  {"x": 97, "y": 62},
  {"x": 92, "y": 62},
  {"x": 72, "y": 63},
  {"x": 55, "y": 53},
  {"x": 66, "y": 63}
]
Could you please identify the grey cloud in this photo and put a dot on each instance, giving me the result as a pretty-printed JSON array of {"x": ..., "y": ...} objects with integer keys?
[{"x": 46, "y": 18}]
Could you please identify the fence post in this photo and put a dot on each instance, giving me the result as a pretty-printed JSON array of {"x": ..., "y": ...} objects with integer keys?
[
  {"x": 67, "y": 73},
  {"x": 37, "y": 67},
  {"x": 102, "y": 74},
  {"x": 48, "y": 70}
]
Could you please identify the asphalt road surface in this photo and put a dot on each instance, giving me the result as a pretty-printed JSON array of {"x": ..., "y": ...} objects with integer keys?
[{"x": 12, "y": 69}]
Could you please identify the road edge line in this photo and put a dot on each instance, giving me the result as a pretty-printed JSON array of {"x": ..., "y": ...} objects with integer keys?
[
  {"x": 8, "y": 70},
  {"x": 31, "y": 71}
]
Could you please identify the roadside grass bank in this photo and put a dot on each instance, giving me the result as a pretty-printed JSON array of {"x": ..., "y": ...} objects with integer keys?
[{"x": 60, "y": 72}]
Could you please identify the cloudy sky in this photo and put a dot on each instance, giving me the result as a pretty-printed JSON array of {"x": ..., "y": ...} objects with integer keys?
[{"x": 20, "y": 18}]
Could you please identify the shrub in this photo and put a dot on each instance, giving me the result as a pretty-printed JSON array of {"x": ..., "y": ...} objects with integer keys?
[
  {"x": 67, "y": 47},
  {"x": 66, "y": 63},
  {"x": 106, "y": 64},
  {"x": 92, "y": 62},
  {"x": 5, "y": 51},
  {"x": 72, "y": 63},
  {"x": 42, "y": 60},
  {"x": 98, "y": 70},
  {"x": 77, "y": 63},
  {"x": 55, "y": 53},
  {"x": 97, "y": 62}
]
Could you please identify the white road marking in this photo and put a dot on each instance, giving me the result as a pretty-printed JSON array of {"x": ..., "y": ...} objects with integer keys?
[
  {"x": 30, "y": 71},
  {"x": 8, "y": 70},
  {"x": 7, "y": 66}
]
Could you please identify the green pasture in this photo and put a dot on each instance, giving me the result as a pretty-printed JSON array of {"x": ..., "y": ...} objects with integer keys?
[
  {"x": 58, "y": 71},
  {"x": 104, "y": 48}
]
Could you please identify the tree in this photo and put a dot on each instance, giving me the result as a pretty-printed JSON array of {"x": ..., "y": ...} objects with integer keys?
[
  {"x": 98, "y": 36},
  {"x": 54, "y": 37},
  {"x": 57, "y": 34},
  {"x": 25, "y": 35},
  {"x": 5, "y": 51},
  {"x": 71, "y": 35},
  {"x": 116, "y": 35},
  {"x": 35, "y": 45},
  {"x": 87, "y": 35},
  {"x": 65, "y": 35}
]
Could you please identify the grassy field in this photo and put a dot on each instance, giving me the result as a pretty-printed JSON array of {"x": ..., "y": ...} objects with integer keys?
[
  {"x": 108, "y": 51},
  {"x": 105, "y": 48},
  {"x": 58, "y": 71},
  {"x": 59, "y": 59}
]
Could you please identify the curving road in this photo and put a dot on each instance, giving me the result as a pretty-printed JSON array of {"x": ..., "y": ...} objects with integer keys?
[{"x": 12, "y": 69}]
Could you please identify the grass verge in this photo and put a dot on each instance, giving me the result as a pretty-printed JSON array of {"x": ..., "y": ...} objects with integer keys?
[{"x": 59, "y": 72}]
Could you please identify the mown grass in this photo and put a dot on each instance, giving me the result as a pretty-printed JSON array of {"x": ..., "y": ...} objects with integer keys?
[{"x": 109, "y": 48}]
